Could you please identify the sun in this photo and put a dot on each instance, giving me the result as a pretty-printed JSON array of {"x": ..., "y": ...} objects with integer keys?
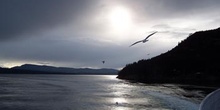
[{"x": 120, "y": 18}]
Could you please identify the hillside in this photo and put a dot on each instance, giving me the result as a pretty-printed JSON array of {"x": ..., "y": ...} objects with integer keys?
[
  {"x": 51, "y": 69},
  {"x": 19, "y": 71},
  {"x": 195, "y": 60}
]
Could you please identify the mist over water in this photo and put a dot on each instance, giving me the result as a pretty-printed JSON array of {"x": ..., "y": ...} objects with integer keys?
[{"x": 85, "y": 92}]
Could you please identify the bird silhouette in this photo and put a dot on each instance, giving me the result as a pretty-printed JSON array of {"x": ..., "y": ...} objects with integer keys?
[
  {"x": 103, "y": 62},
  {"x": 144, "y": 40}
]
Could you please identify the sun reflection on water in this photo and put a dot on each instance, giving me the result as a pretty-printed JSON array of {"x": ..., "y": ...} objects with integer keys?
[{"x": 119, "y": 100}]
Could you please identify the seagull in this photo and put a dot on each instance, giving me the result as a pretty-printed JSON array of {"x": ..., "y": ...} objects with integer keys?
[
  {"x": 116, "y": 103},
  {"x": 145, "y": 40},
  {"x": 103, "y": 62}
]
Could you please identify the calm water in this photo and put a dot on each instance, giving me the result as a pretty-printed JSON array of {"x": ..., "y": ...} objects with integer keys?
[{"x": 84, "y": 92}]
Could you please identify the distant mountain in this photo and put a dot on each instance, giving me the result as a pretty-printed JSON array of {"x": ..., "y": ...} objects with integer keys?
[
  {"x": 51, "y": 69},
  {"x": 19, "y": 71},
  {"x": 196, "y": 60}
]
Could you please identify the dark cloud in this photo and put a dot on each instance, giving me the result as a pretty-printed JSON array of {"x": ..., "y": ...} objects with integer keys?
[
  {"x": 165, "y": 9},
  {"x": 75, "y": 32},
  {"x": 19, "y": 17},
  {"x": 71, "y": 52}
]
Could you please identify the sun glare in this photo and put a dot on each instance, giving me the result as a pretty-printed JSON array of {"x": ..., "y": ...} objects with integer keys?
[
  {"x": 12, "y": 64},
  {"x": 120, "y": 18}
]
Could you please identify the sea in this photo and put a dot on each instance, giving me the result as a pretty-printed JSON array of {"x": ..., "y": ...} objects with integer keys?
[{"x": 91, "y": 92}]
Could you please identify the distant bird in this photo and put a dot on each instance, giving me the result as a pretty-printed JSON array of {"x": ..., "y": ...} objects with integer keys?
[
  {"x": 144, "y": 40},
  {"x": 116, "y": 103},
  {"x": 103, "y": 62}
]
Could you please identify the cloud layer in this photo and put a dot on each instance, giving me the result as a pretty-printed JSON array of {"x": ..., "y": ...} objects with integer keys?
[{"x": 77, "y": 33}]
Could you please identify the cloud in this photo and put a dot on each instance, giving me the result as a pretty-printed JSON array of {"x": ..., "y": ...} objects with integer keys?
[
  {"x": 76, "y": 33},
  {"x": 33, "y": 16},
  {"x": 166, "y": 9},
  {"x": 71, "y": 53},
  {"x": 27, "y": 17}
]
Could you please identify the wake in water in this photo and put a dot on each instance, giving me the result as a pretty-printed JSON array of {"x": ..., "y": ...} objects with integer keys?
[{"x": 84, "y": 92}]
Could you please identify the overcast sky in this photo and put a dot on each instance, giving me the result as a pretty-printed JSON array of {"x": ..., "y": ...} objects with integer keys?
[{"x": 83, "y": 33}]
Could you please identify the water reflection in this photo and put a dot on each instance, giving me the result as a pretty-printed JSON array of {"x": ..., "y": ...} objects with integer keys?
[
  {"x": 119, "y": 101},
  {"x": 128, "y": 97},
  {"x": 84, "y": 92}
]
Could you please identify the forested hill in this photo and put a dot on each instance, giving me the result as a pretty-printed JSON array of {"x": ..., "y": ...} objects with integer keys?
[
  {"x": 44, "y": 69},
  {"x": 196, "y": 60},
  {"x": 52, "y": 69}
]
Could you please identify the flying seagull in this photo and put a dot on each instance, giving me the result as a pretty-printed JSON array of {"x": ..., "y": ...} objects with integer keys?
[
  {"x": 145, "y": 40},
  {"x": 103, "y": 62}
]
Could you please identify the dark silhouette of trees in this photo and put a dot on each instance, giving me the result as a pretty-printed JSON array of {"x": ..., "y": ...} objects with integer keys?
[{"x": 196, "y": 60}]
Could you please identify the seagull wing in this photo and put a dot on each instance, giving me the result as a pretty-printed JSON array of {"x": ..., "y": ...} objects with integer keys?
[
  {"x": 150, "y": 35},
  {"x": 136, "y": 43}
]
